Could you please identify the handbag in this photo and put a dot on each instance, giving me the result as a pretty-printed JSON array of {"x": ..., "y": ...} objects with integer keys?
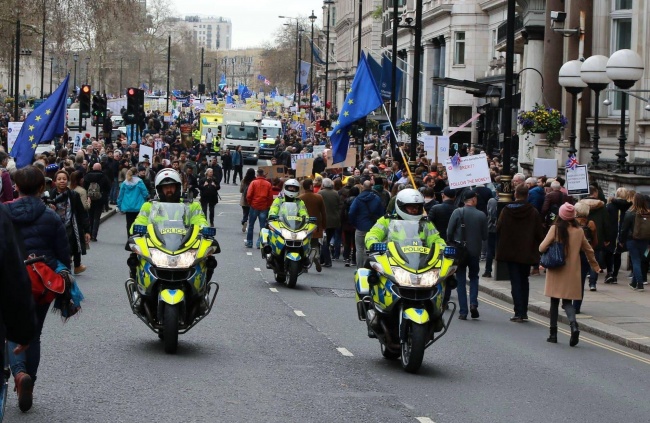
[
  {"x": 46, "y": 283},
  {"x": 462, "y": 255},
  {"x": 554, "y": 256}
]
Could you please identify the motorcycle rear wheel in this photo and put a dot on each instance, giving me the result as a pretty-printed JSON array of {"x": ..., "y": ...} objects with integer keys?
[
  {"x": 170, "y": 328},
  {"x": 294, "y": 270},
  {"x": 413, "y": 348},
  {"x": 389, "y": 354}
]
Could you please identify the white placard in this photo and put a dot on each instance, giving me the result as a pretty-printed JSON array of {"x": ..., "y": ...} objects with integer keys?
[
  {"x": 77, "y": 144},
  {"x": 443, "y": 149},
  {"x": 429, "y": 144},
  {"x": 159, "y": 144},
  {"x": 13, "y": 129},
  {"x": 146, "y": 151},
  {"x": 318, "y": 149},
  {"x": 472, "y": 170},
  {"x": 545, "y": 167},
  {"x": 296, "y": 157},
  {"x": 577, "y": 180}
]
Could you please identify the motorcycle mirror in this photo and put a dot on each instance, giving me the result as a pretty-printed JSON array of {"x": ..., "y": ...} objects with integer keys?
[{"x": 139, "y": 229}]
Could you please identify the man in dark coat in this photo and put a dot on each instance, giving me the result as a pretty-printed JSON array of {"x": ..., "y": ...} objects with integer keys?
[
  {"x": 97, "y": 205},
  {"x": 440, "y": 214},
  {"x": 319, "y": 165},
  {"x": 17, "y": 317},
  {"x": 520, "y": 230}
]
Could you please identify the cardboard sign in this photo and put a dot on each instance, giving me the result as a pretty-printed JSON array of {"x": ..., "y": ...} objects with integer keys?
[
  {"x": 304, "y": 167},
  {"x": 296, "y": 157},
  {"x": 577, "y": 181},
  {"x": 429, "y": 144},
  {"x": 545, "y": 167},
  {"x": 472, "y": 170},
  {"x": 350, "y": 160},
  {"x": 272, "y": 172},
  {"x": 443, "y": 149}
]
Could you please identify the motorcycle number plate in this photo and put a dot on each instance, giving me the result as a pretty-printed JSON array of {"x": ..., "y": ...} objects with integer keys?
[{"x": 293, "y": 236}]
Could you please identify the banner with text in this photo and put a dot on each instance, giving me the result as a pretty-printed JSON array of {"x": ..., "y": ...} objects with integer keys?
[{"x": 471, "y": 170}]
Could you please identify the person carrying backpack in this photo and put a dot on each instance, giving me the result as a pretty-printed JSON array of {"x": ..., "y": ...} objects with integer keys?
[
  {"x": 635, "y": 235},
  {"x": 591, "y": 234}
]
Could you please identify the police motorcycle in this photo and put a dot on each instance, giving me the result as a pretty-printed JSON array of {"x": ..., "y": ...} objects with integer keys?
[
  {"x": 286, "y": 244},
  {"x": 400, "y": 296},
  {"x": 170, "y": 268}
]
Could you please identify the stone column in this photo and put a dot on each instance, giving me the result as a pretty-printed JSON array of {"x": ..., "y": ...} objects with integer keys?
[
  {"x": 440, "y": 117},
  {"x": 409, "y": 74},
  {"x": 436, "y": 88},
  {"x": 426, "y": 103},
  {"x": 531, "y": 85}
]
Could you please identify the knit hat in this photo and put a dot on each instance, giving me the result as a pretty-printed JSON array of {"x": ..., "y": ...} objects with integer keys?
[{"x": 567, "y": 212}]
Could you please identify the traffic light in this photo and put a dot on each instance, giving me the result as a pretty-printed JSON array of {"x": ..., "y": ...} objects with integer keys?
[
  {"x": 134, "y": 106},
  {"x": 264, "y": 133},
  {"x": 99, "y": 110},
  {"x": 84, "y": 101},
  {"x": 219, "y": 131}
]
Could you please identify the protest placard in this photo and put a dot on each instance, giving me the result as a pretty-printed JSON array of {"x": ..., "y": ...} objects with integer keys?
[
  {"x": 472, "y": 170},
  {"x": 304, "y": 167},
  {"x": 350, "y": 160},
  {"x": 296, "y": 157},
  {"x": 545, "y": 167},
  {"x": 77, "y": 144},
  {"x": 272, "y": 172},
  {"x": 577, "y": 180},
  {"x": 318, "y": 149},
  {"x": 429, "y": 144},
  {"x": 13, "y": 129},
  {"x": 145, "y": 152},
  {"x": 443, "y": 149}
]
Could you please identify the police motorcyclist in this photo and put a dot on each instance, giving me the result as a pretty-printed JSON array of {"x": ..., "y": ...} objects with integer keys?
[
  {"x": 169, "y": 189},
  {"x": 409, "y": 205},
  {"x": 290, "y": 192}
]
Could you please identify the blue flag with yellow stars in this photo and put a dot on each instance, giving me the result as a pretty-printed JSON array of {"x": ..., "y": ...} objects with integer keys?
[
  {"x": 362, "y": 99},
  {"x": 41, "y": 126}
]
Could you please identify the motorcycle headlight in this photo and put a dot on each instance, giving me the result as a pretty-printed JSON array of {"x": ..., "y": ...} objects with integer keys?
[
  {"x": 425, "y": 280},
  {"x": 293, "y": 236},
  {"x": 168, "y": 261}
]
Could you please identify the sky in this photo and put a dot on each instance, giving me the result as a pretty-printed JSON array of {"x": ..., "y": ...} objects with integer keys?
[{"x": 254, "y": 22}]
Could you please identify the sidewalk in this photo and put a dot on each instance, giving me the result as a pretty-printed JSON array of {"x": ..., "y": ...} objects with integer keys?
[
  {"x": 614, "y": 312},
  {"x": 105, "y": 215}
]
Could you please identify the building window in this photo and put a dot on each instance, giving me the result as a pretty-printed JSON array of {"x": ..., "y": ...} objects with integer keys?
[
  {"x": 621, "y": 39},
  {"x": 459, "y": 52},
  {"x": 459, "y": 115}
]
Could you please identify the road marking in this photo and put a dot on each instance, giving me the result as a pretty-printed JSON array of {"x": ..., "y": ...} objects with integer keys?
[
  {"x": 273, "y": 289},
  {"x": 345, "y": 352},
  {"x": 249, "y": 254},
  {"x": 424, "y": 420},
  {"x": 257, "y": 269},
  {"x": 299, "y": 313},
  {"x": 583, "y": 338}
]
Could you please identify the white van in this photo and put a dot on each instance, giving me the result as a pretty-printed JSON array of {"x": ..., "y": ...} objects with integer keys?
[{"x": 72, "y": 119}]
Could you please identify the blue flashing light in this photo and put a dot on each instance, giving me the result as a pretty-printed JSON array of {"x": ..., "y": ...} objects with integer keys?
[
  {"x": 139, "y": 229},
  {"x": 378, "y": 247},
  {"x": 208, "y": 232},
  {"x": 450, "y": 251}
]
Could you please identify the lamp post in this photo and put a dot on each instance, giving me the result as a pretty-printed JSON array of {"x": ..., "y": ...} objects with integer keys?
[
  {"x": 345, "y": 82},
  {"x": 594, "y": 74},
  {"x": 233, "y": 60},
  {"x": 624, "y": 68},
  {"x": 569, "y": 78},
  {"x": 51, "y": 70},
  {"x": 416, "y": 79},
  {"x": 87, "y": 66},
  {"x": 300, "y": 31},
  {"x": 297, "y": 60},
  {"x": 393, "y": 78},
  {"x": 75, "y": 56},
  {"x": 493, "y": 97},
  {"x": 359, "y": 29},
  {"x": 312, "y": 18},
  {"x": 169, "y": 62},
  {"x": 43, "y": 50},
  {"x": 328, "y": 4},
  {"x": 16, "y": 71}
]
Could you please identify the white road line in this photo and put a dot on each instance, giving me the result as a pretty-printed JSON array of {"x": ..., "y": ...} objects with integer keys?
[
  {"x": 299, "y": 313},
  {"x": 257, "y": 269},
  {"x": 249, "y": 254},
  {"x": 344, "y": 352},
  {"x": 424, "y": 420},
  {"x": 273, "y": 289}
]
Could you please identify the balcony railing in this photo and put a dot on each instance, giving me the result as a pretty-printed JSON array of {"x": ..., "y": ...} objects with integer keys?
[{"x": 501, "y": 30}]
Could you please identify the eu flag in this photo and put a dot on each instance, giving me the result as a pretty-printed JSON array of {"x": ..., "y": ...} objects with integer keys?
[
  {"x": 362, "y": 99},
  {"x": 41, "y": 126}
]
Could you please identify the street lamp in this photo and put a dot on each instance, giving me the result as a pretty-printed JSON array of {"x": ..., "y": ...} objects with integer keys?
[
  {"x": 594, "y": 74},
  {"x": 51, "y": 70},
  {"x": 624, "y": 68},
  {"x": 75, "y": 56},
  {"x": 328, "y": 4},
  {"x": 493, "y": 98},
  {"x": 312, "y": 18},
  {"x": 569, "y": 78}
]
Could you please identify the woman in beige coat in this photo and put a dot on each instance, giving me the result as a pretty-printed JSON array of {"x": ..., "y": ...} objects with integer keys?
[{"x": 564, "y": 282}]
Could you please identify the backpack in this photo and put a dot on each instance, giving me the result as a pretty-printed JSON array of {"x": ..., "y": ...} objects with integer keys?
[
  {"x": 641, "y": 229},
  {"x": 588, "y": 232},
  {"x": 94, "y": 192}
]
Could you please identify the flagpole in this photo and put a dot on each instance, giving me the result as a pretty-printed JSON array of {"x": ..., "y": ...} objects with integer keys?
[{"x": 394, "y": 137}]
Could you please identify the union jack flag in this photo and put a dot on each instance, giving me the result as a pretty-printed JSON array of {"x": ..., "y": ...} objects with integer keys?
[
  {"x": 455, "y": 161},
  {"x": 267, "y": 82},
  {"x": 572, "y": 162}
]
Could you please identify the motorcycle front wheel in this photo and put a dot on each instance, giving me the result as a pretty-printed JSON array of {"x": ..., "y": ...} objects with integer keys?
[
  {"x": 294, "y": 270},
  {"x": 170, "y": 328},
  {"x": 279, "y": 277},
  {"x": 388, "y": 354},
  {"x": 413, "y": 347}
]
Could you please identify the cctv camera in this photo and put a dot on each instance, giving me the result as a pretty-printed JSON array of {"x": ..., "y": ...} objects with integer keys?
[{"x": 558, "y": 16}]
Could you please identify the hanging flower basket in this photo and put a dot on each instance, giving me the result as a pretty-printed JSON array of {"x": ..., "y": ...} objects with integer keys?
[
  {"x": 407, "y": 126},
  {"x": 543, "y": 120}
]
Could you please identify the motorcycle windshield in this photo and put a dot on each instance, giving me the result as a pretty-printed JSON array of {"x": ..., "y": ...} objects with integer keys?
[
  {"x": 407, "y": 244},
  {"x": 170, "y": 222},
  {"x": 289, "y": 216}
]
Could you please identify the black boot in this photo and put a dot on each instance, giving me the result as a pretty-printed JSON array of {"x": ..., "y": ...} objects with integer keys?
[
  {"x": 553, "y": 336},
  {"x": 575, "y": 334}
]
